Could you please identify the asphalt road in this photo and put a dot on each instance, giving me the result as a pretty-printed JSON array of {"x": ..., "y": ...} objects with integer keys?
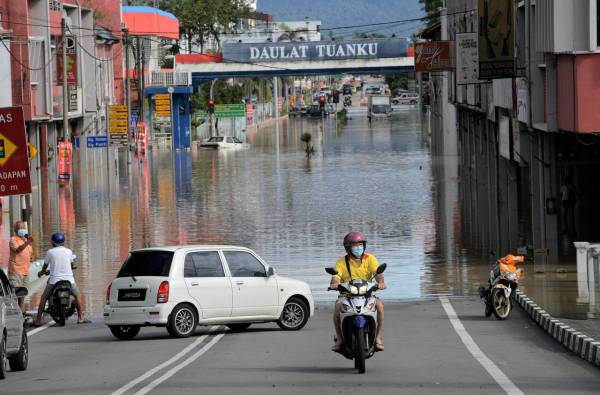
[{"x": 424, "y": 355}]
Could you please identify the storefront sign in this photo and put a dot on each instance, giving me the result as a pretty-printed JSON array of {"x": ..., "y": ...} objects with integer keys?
[
  {"x": 496, "y": 39},
  {"x": 467, "y": 58},
  {"x": 118, "y": 127},
  {"x": 316, "y": 50},
  {"x": 432, "y": 56},
  {"x": 14, "y": 158},
  {"x": 162, "y": 105}
]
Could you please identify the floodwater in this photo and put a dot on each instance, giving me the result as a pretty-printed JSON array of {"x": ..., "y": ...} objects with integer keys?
[{"x": 292, "y": 210}]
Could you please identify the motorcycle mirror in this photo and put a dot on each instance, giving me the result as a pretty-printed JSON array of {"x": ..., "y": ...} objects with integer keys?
[
  {"x": 381, "y": 268},
  {"x": 331, "y": 271}
]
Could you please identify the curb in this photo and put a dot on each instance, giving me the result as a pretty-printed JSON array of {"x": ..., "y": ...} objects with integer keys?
[{"x": 584, "y": 346}]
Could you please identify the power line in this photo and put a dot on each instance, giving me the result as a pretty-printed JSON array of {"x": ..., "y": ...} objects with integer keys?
[{"x": 27, "y": 67}]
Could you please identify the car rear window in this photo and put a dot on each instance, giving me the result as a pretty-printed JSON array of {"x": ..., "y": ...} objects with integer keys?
[{"x": 147, "y": 263}]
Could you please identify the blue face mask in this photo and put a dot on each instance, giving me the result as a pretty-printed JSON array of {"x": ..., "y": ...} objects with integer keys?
[
  {"x": 357, "y": 251},
  {"x": 22, "y": 232}
]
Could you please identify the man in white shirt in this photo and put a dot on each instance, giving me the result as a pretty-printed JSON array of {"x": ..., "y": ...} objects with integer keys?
[{"x": 59, "y": 265}]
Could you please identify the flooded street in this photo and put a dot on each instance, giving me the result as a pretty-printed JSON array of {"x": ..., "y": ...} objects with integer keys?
[{"x": 293, "y": 211}]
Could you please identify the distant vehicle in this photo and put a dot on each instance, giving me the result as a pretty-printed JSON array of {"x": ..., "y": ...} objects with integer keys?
[
  {"x": 373, "y": 90},
  {"x": 379, "y": 106},
  {"x": 406, "y": 98},
  {"x": 314, "y": 110},
  {"x": 398, "y": 91},
  {"x": 223, "y": 142},
  {"x": 298, "y": 110},
  {"x": 180, "y": 287},
  {"x": 14, "y": 347}
]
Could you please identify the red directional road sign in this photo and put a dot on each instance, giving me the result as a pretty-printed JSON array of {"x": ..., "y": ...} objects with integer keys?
[{"x": 14, "y": 160}]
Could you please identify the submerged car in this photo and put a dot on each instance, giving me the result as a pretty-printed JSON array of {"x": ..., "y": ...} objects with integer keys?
[
  {"x": 14, "y": 347},
  {"x": 223, "y": 142},
  {"x": 181, "y": 287}
]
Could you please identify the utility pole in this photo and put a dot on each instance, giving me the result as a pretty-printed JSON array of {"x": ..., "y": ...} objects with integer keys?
[
  {"x": 127, "y": 93},
  {"x": 65, "y": 132}
]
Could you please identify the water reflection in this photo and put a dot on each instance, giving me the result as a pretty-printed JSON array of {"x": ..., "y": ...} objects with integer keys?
[{"x": 294, "y": 211}]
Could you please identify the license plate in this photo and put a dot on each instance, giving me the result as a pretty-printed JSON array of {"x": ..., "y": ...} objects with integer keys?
[
  {"x": 131, "y": 295},
  {"x": 63, "y": 294}
]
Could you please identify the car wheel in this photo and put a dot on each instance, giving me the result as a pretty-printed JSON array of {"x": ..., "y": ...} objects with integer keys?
[
  {"x": 19, "y": 361},
  {"x": 3, "y": 359},
  {"x": 124, "y": 332},
  {"x": 182, "y": 321},
  {"x": 294, "y": 315},
  {"x": 238, "y": 327}
]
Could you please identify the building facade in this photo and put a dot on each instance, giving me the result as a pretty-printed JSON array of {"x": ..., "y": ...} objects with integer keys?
[{"x": 527, "y": 144}]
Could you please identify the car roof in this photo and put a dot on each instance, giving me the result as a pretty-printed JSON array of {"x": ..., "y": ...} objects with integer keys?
[{"x": 174, "y": 248}]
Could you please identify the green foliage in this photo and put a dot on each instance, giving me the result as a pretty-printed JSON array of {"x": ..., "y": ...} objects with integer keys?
[
  {"x": 398, "y": 80},
  {"x": 431, "y": 7},
  {"x": 201, "y": 20}
]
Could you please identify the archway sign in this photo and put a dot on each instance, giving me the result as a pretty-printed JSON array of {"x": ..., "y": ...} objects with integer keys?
[{"x": 300, "y": 58}]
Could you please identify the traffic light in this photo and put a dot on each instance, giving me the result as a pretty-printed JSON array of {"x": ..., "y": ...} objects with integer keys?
[{"x": 211, "y": 106}]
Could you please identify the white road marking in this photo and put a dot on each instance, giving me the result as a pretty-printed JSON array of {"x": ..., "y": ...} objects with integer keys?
[
  {"x": 40, "y": 328},
  {"x": 182, "y": 365},
  {"x": 502, "y": 379},
  {"x": 152, "y": 371}
]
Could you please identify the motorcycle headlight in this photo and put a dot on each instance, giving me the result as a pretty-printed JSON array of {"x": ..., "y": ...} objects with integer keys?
[
  {"x": 362, "y": 290},
  {"x": 353, "y": 290},
  {"x": 510, "y": 275}
]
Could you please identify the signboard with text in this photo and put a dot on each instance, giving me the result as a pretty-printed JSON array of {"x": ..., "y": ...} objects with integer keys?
[
  {"x": 100, "y": 141},
  {"x": 230, "y": 110},
  {"x": 316, "y": 50},
  {"x": 432, "y": 56},
  {"x": 162, "y": 105},
  {"x": 467, "y": 58},
  {"x": 118, "y": 125},
  {"x": 71, "y": 63},
  {"x": 14, "y": 156},
  {"x": 496, "y": 39}
]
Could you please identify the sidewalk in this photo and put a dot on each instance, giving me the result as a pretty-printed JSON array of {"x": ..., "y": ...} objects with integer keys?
[{"x": 551, "y": 299}]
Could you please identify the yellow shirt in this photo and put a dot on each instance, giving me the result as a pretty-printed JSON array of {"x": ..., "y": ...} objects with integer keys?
[{"x": 363, "y": 271}]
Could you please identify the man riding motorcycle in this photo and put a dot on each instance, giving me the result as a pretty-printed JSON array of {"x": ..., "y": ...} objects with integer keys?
[
  {"x": 59, "y": 260},
  {"x": 357, "y": 264}
]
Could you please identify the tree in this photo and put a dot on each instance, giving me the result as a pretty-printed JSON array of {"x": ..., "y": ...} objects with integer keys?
[
  {"x": 431, "y": 7},
  {"x": 201, "y": 20}
]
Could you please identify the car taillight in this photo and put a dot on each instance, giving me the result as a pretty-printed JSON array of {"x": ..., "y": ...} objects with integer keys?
[
  {"x": 163, "y": 292},
  {"x": 108, "y": 293}
]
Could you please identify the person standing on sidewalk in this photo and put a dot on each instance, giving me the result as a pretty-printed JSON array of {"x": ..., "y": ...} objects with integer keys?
[{"x": 20, "y": 258}]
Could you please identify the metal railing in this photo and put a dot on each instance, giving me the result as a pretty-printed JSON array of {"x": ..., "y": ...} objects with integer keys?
[{"x": 168, "y": 78}]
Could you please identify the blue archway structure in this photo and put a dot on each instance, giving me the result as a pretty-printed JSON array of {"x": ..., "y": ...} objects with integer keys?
[{"x": 374, "y": 56}]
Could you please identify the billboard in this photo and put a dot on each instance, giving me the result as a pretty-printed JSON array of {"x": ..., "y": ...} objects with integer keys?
[
  {"x": 432, "y": 56},
  {"x": 496, "y": 39},
  {"x": 467, "y": 58},
  {"x": 315, "y": 50},
  {"x": 14, "y": 156}
]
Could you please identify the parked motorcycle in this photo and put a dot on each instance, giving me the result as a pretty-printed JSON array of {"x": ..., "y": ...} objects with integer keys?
[
  {"x": 358, "y": 317},
  {"x": 503, "y": 282}
]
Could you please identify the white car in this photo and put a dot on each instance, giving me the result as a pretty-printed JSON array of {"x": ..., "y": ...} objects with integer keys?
[
  {"x": 181, "y": 287},
  {"x": 406, "y": 98},
  {"x": 223, "y": 142}
]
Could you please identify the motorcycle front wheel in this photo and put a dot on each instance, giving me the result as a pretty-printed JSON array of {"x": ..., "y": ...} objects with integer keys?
[
  {"x": 501, "y": 305},
  {"x": 359, "y": 352}
]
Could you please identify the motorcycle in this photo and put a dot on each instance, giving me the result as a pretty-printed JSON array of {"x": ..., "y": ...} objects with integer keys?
[
  {"x": 503, "y": 282},
  {"x": 61, "y": 303},
  {"x": 358, "y": 318},
  {"x": 347, "y": 101}
]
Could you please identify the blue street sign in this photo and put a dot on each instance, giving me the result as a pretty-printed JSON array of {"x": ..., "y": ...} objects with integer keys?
[{"x": 97, "y": 141}]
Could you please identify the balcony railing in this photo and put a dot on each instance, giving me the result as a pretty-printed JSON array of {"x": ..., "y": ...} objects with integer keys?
[{"x": 168, "y": 78}]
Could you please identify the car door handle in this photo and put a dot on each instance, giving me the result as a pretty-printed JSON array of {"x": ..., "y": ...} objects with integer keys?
[
  {"x": 239, "y": 282},
  {"x": 194, "y": 284}
]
